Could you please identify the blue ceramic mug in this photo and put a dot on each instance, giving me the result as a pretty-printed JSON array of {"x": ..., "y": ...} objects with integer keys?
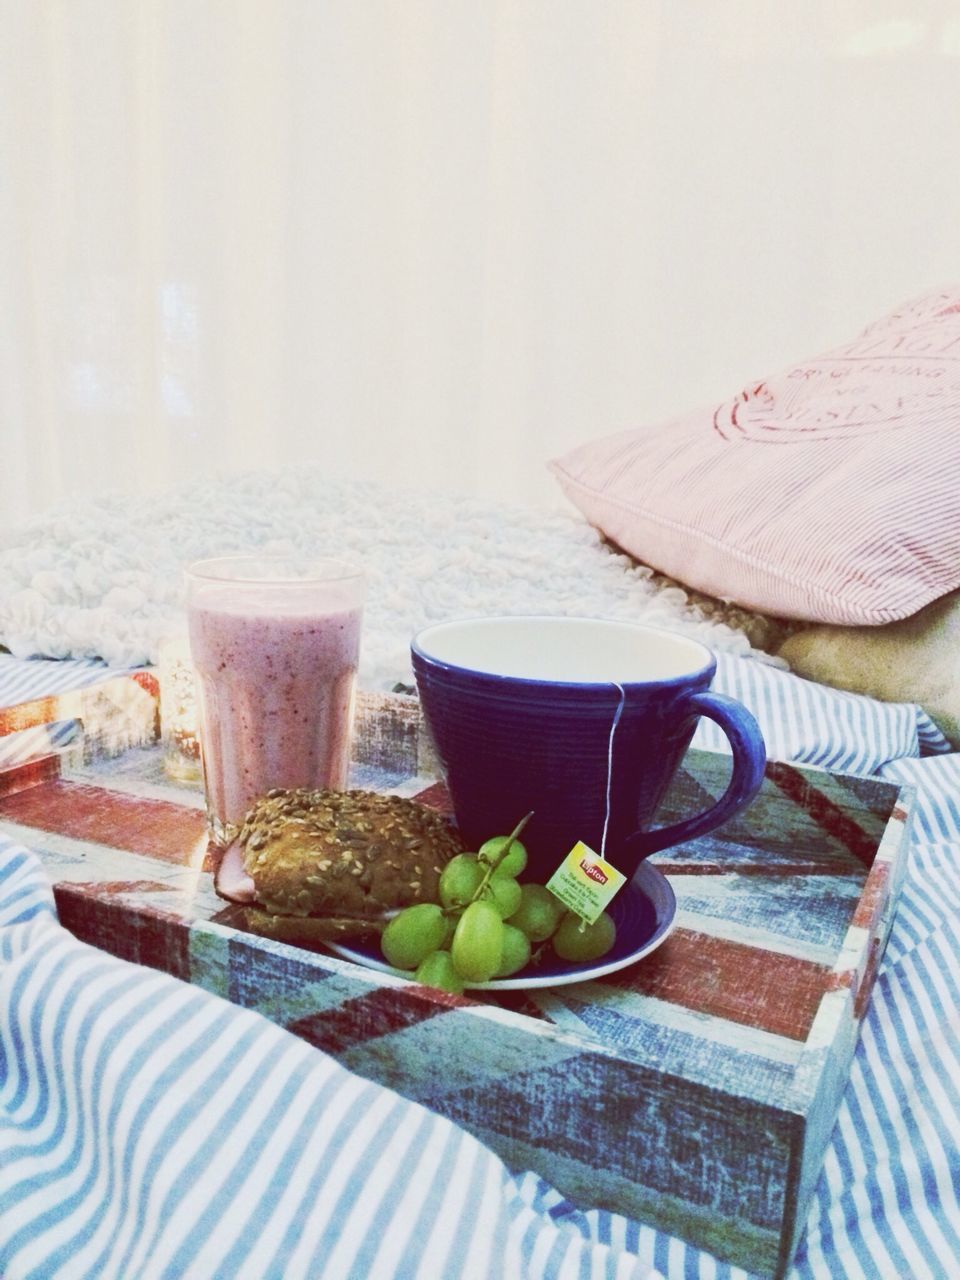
[{"x": 521, "y": 710}]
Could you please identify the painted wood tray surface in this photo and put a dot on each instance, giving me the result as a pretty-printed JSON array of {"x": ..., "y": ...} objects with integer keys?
[{"x": 695, "y": 1090}]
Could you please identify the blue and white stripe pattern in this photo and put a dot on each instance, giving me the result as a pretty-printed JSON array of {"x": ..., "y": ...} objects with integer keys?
[
  {"x": 23, "y": 679},
  {"x": 811, "y": 724},
  {"x": 887, "y": 1205},
  {"x": 149, "y": 1129}
]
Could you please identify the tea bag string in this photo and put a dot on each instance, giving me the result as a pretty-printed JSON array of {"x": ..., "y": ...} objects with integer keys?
[{"x": 613, "y": 729}]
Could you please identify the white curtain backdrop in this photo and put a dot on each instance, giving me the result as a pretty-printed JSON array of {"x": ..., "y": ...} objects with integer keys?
[{"x": 436, "y": 242}]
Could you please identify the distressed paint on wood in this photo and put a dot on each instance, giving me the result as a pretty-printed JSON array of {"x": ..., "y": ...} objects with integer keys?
[
  {"x": 696, "y": 1090},
  {"x": 732, "y": 981},
  {"x": 155, "y": 828},
  {"x": 110, "y": 715}
]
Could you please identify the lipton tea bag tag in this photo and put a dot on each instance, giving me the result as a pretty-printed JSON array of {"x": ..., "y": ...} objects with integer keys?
[{"x": 585, "y": 883}]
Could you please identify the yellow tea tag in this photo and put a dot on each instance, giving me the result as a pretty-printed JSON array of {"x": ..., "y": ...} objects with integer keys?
[{"x": 584, "y": 882}]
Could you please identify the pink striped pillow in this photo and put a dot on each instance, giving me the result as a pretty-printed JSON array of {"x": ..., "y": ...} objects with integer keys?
[{"x": 830, "y": 492}]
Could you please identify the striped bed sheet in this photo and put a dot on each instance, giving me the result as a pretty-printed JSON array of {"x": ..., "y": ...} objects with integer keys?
[
  {"x": 136, "y": 1128},
  {"x": 801, "y": 721},
  {"x": 24, "y": 680}
]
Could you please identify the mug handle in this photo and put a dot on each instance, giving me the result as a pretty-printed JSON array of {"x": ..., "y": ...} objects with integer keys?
[{"x": 749, "y": 758}]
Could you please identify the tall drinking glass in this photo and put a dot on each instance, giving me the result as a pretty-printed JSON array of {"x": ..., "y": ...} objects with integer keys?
[{"x": 275, "y": 643}]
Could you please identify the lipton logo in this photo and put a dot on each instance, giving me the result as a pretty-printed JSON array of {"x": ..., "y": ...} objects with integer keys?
[{"x": 593, "y": 871}]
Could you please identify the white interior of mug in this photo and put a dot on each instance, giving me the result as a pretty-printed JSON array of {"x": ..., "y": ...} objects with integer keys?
[{"x": 563, "y": 650}]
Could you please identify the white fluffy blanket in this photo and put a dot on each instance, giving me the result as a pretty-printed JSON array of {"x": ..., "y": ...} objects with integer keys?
[{"x": 104, "y": 577}]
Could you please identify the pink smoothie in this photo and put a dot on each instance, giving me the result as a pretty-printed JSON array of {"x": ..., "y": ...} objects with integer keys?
[{"x": 276, "y": 697}]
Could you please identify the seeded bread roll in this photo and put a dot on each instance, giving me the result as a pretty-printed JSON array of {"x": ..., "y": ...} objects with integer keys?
[
  {"x": 312, "y": 932},
  {"x": 343, "y": 853}
]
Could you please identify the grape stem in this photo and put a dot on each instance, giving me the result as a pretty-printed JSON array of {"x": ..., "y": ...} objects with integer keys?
[{"x": 491, "y": 870}]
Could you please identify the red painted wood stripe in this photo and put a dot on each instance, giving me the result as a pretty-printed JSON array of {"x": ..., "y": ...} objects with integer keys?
[
  {"x": 827, "y": 815},
  {"x": 868, "y": 916},
  {"x": 155, "y": 828},
  {"x": 867, "y": 979},
  {"x": 27, "y": 715},
  {"x": 29, "y": 774},
  {"x": 133, "y": 931},
  {"x": 119, "y": 888},
  {"x": 749, "y": 985},
  {"x": 873, "y": 898},
  {"x": 148, "y": 681},
  {"x": 379, "y": 1012},
  {"x": 436, "y": 797}
]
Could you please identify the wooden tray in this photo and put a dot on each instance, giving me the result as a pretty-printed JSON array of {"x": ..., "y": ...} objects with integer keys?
[{"x": 695, "y": 1091}]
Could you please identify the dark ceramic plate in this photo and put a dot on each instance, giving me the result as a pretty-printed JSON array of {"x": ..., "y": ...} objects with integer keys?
[{"x": 644, "y": 912}]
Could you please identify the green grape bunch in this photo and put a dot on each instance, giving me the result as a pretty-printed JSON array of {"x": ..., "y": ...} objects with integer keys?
[{"x": 487, "y": 924}]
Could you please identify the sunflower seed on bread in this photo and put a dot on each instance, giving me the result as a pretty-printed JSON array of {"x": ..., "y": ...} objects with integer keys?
[{"x": 347, "y": 855}]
